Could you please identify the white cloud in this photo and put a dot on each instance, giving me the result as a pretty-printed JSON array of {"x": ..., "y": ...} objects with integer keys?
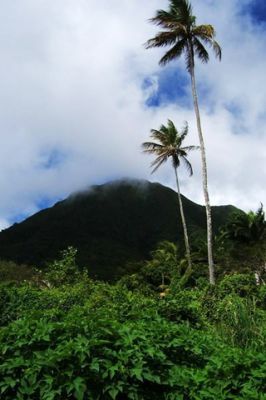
[{"x": 71, "y": 80}]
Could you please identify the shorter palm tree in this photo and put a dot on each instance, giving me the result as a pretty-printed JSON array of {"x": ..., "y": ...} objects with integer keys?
[
  {"x": 169, "y": 145},
  {"x": 247, "y": 228}
]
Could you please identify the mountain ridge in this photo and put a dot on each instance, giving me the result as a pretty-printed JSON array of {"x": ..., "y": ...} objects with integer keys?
[{"x": 111, "y": 225}]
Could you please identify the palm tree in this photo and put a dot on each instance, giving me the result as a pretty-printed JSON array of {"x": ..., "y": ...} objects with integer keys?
[
  {"x": 169, "y": 145},
  {"x": 181, "y": 33},
  {"x": 247, "y": 235},
  {"x": 247, "y": 228}
]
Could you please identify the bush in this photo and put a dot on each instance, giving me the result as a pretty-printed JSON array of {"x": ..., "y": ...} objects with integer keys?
[
  {"x": 121, "y": 303},
  {"x": 184, "y": 305},
  {"x": 136, "y": 283},
  {"x": 243, "y": 285},
  {"x": 90, "y": 340},
  {"x": 20, "y": 301},
  {"x": 11, "y": 272},
  {"x": 97, "y": 357}
]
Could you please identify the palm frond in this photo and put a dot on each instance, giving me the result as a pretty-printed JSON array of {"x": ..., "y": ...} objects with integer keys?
[
  {"x": 151, "y": 147},
  {"x": 182, "y": 9},
  {"x": 200, "y": 50},
  {"x": 171, "y": 126},
  {"x": 188, "y": 166},
  {"x": 204, "y": 30},
  {"x": 206, "y": 33},
  {"x": 190, "y": 148},
  {"x": 158, "y": 162},
  {"x": 162, "y": 39},
  {"x": 175, "y": 161},
  {"x": 214, "y": 45},
  {"x": 164, "y": 19},
  {"x": 159, "y": 135},
  {"x": 179, "y": 13},
  {"x": 165, "y": 132},
  {"x": 172, "y": 133},
  {"x": 217, "y": 49},
  {"x": 184, "y": 132},
  {"x": 175, "y": 52}
]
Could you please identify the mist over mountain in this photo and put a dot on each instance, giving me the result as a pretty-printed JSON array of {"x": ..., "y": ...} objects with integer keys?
[{"x": 111, "y": 225}]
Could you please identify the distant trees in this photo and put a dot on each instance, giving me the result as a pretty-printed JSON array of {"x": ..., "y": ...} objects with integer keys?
[
  {"x": 247, "y": 228},
  {"x": 184, "y": 37},
  {"x": 241, "y": 243},
  {"x": 163, "y": 264},
  {"x": 168, "y": 144}
]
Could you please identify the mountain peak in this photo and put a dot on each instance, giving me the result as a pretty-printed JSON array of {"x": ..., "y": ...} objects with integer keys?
[{"x": 111, "y": 225}]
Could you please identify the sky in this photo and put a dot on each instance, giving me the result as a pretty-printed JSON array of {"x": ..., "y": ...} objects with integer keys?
[{"x": 79, "y": 93}]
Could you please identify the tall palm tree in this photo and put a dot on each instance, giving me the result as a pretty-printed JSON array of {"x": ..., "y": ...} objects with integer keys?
[
  {"x": 169, "y": 145},
  {"x": 181, "y": 33}
]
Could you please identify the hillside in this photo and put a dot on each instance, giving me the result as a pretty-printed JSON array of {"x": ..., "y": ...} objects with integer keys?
[{"x": 111, "y": 225}]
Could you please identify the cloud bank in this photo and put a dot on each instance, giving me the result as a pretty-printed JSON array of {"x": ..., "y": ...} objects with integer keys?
[{"x": 79, "y": 94}]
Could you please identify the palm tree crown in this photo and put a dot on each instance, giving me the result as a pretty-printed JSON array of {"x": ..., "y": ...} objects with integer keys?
[
  {"x": 247, "y": 228},
  {"x": 169, "y": 145},
  {"x": 183, "y": 35}
]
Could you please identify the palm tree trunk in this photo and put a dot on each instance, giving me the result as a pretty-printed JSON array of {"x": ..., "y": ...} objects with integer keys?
[
  {"x": 188, "y": 255},
  {"x": 204, "y": 170}
]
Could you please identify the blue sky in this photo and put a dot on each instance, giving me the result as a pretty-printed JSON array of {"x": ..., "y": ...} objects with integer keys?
[
  {"x": 257, "y": 10},
  {"x": 76, "y": 102},
  {"x": 172, "y": 86}
]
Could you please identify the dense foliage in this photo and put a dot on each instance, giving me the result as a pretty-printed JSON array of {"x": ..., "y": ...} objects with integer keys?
[{"x": 64, "y": 336}]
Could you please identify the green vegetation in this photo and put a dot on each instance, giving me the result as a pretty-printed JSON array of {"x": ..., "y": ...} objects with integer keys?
[
  {"x": 65, "y": 336},
  {"x": 10, "y": 271}
]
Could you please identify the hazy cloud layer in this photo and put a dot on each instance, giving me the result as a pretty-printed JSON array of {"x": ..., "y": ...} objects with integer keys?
[{"x": 75, "y": 107}]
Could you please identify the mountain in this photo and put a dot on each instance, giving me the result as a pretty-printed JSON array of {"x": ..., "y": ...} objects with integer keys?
[{"x": 111, "y": 225}]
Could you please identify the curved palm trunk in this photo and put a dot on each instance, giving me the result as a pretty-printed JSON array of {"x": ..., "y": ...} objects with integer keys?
[
  {"x": 188, "y": 255},
  {"x": 204, "y": 172}
]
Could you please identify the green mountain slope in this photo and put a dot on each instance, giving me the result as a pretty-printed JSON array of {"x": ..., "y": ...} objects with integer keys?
[{"x": 110, "y": 225}]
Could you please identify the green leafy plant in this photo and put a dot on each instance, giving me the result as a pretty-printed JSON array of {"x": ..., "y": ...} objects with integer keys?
[
  {"x": 65, "y": 269},
  {"x": 92, "y": 340},
  {"x": 242, "y": 284}
]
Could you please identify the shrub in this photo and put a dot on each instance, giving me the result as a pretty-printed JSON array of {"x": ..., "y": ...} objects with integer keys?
[
  {"x": 65, "y": 270},
  {"x": 23, "y": 300},
  {"x": 97, "y": 357},
  {"x": 136, "y": 283},
  {"x": 90, "y": 340},
  {"x": 11, "y": 272},
  {"x": 243, "y": 285},
  {"x": 88, "y": 357},
  {"x": 183, "y": 305}
]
